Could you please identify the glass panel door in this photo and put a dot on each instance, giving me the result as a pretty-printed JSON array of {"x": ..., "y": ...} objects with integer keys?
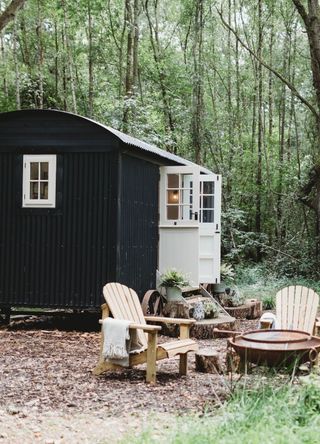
[
  {"x": 177, "y": 196},
  {"x": 206, "y": 202}
]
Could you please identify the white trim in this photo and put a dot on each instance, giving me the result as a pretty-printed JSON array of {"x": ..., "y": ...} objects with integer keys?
[{"x": 27, "y": 202}]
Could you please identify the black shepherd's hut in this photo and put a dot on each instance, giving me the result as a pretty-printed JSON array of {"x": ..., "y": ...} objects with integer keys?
[{"x": 79, "y": 206}]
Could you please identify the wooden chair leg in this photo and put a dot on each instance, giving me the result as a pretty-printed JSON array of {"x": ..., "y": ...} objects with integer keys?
[
  {"x": 100, "y": 368},
  {"x": 151, "y": 357},
  {"x": 183, "y": 364}
]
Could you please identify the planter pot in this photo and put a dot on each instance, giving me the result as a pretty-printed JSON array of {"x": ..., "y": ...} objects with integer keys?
[
  {"x": 173, "y": 294},
  {"x": 218, "y": 288}
]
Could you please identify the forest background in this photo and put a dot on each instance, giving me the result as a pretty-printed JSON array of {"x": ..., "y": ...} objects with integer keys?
[{"x": 233, "y": 85}]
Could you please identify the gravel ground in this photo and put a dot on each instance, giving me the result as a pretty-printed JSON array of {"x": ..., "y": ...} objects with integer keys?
[{"x": 48, "y": 394}]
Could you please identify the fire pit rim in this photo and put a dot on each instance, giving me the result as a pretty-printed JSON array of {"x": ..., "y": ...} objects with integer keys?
[
  {"x": 275, "y": 355},
  {"x": 305, "y": 336}
]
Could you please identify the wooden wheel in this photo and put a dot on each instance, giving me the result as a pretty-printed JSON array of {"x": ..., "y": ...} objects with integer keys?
[{"x": 152, "y": 303}]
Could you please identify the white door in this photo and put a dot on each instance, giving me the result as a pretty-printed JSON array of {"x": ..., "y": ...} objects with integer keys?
[
  {"x": 209, "y": 228},
  {"x": 189, "y": 230}
]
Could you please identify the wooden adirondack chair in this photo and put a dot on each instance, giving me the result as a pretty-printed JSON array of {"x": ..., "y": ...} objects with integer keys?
[
  {"x": 296, "y": 308},
  {"x": 123, "y": 303}
]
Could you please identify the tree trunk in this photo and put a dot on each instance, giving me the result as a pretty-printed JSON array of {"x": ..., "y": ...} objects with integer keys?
[
  {"x": 10, "y": 12},
  {"x": 69, "y": 58},
  {"x": 260, "y": 129},
  {"x": 40, "y": 56},
  {"x": 311, "y": 19},
  {"x": 197, "y": 89},
  {"x": 90, "y": 62},
  {"x": 56, "y": 60},
  {"x": 3, "y": 59},
  {"x": 155, "y": 44},
  {"x": 129, "y": 65},
  {"x": 16, "y": 66}
]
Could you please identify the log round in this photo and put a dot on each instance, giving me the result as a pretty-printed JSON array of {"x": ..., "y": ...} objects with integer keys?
[
  {"x": 208, "y": 361},
  {"x": 204, "y": 329},
  {"x": 176, "y": 309},
  {"x": 252, "y": 309}
]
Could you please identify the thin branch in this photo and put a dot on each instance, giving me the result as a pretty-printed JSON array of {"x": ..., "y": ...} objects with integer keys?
[
  {"x": 301, "y": 9},
  {"x": 276, "y": 73},
  {"x": 280, "y": 252}
]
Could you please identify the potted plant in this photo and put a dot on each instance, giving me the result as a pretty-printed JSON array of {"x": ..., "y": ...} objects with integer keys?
[
  {"x": 173, "y": 280},
  {"x": 226, "y": 274}
]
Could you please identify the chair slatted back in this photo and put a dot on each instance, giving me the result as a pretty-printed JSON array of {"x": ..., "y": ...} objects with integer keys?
[
  {"x": 296, "y": 308},
  {"x": 124, "y": 303}
]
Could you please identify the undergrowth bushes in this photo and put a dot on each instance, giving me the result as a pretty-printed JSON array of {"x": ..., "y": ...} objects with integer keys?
[{"x": 262, "y": 282}]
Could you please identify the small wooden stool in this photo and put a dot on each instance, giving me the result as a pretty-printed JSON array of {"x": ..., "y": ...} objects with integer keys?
[{"x": 208, "y": 361}]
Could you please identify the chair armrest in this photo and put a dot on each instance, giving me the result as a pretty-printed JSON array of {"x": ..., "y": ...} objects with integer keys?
[
  {"x": 144, "y": 327},
  {"x": 169, "y": 320},
  {"x": 105, "y": 311},
  {"x": 318, "y": 321}
]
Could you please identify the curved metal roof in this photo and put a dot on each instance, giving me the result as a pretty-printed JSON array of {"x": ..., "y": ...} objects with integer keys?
[{"x": 130, "y": 140}]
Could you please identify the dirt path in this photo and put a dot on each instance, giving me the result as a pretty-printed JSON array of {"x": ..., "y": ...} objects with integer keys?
[{"x": 53, "y": 427}]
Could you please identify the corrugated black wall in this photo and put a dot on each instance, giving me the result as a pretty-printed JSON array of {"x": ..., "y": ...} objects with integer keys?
[
  {"x": 138, "y": 239},
  {"x": 61, "y": 257},
  {"x": 105, "y": 224}
]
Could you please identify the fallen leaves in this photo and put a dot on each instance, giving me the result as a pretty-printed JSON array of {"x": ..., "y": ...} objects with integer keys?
[{"x": 43, "y": 369}]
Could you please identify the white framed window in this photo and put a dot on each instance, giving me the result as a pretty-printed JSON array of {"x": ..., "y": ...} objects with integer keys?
[{"x": 39, "y": 181}]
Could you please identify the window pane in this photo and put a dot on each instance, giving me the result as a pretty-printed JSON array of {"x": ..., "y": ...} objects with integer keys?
[
  {"x": 33, "y": 190},
  {"x": 207, "y": 216},
  {"x": 34, "y": 170},
  {"x": 186, "y": 196},
  {"x": 44, "y": 190},
  {"x": 208, "y": 187},
  {"x": 173, "y": 196},
  {"x": 173, "y": 180},
  {"x": 172, "y": 212},
  {"x": 44, "y": 170},
  {"x": 208, "y": 202},
  {"x": 186, "y": 212},
  {"x": 186, "y": 180}
]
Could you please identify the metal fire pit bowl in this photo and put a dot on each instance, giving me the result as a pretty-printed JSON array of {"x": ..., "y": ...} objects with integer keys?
[{"x": 276, "y": 347}]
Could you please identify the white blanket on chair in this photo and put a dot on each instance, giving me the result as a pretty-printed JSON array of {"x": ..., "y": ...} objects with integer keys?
[
  {"x": 116, "y": 339},
  {"x": 118, "y": 342}
]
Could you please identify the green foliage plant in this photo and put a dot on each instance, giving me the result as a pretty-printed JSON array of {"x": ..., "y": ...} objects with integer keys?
[
  {"x": 268, "y": 302},
  {"x": 211, "y": 310},
  {"x": 173, "y": 278},
  {"x": 227, "y": 272}
]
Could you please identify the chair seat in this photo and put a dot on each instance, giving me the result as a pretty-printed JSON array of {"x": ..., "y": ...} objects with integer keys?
[{"x": 174, "y": 348}]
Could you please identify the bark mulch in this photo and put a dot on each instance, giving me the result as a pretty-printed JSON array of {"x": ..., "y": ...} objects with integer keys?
[{"x": 42, "y": 368}]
